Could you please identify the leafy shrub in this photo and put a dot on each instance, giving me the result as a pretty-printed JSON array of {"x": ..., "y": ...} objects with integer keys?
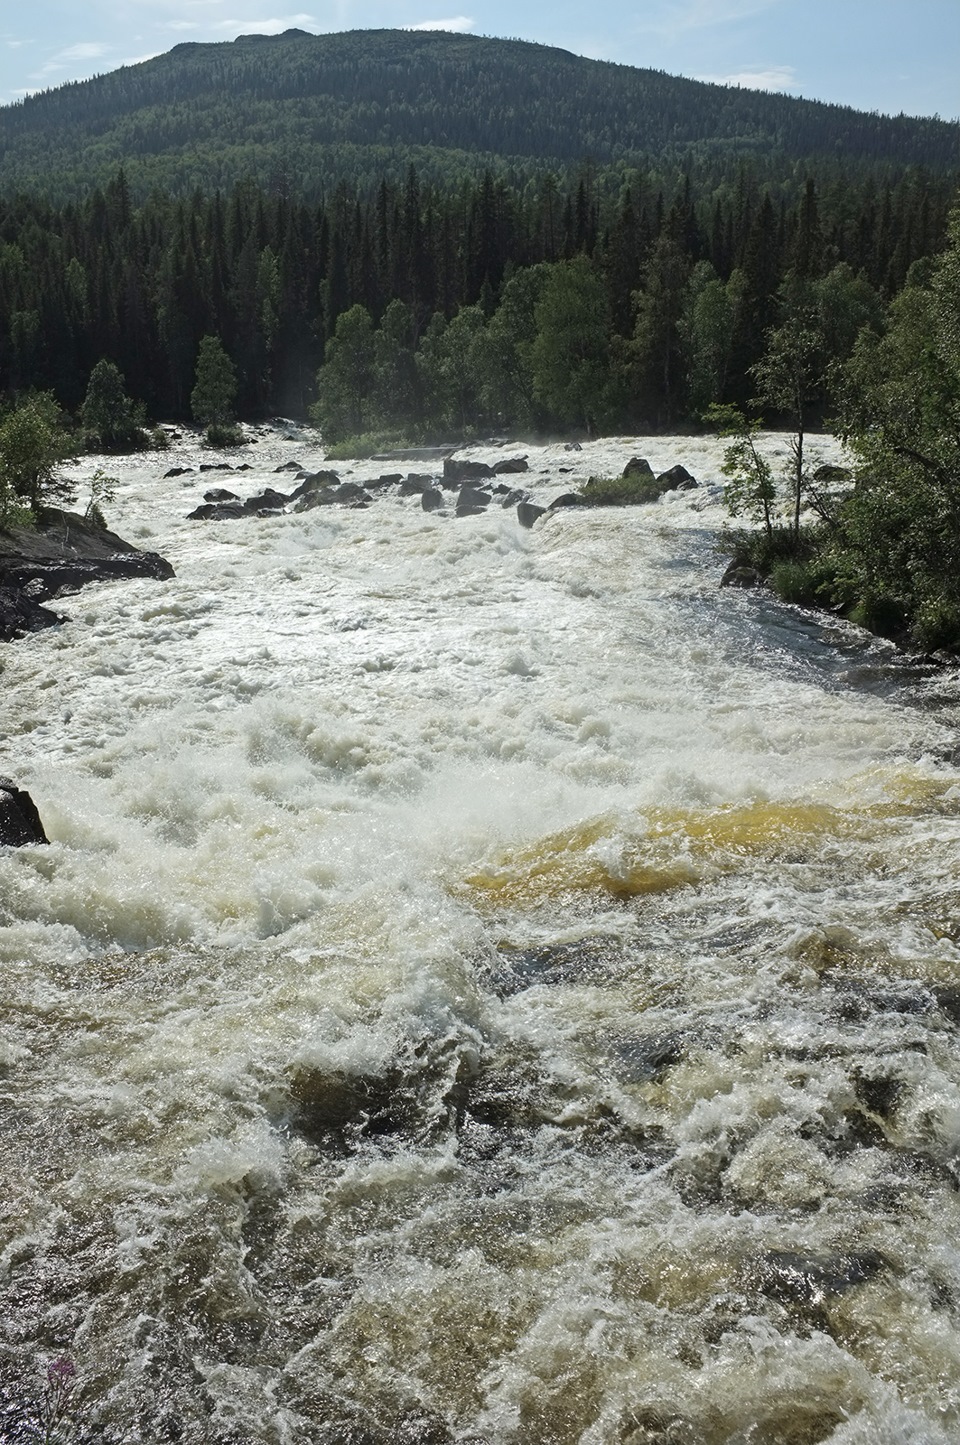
[
  {"x": 224, "y": 434},
  {"x": 619, "y": 491}
]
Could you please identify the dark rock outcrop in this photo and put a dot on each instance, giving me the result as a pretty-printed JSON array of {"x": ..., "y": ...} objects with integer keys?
[
  {"x": 465, "y": 469},
  {"x": 510, "y": 465},
  {"x": 414, "y": 483},
  {"x": 61, "y": 555},
  {"x": 177, "y": 472},
  {"x": 568, "y": 499},
  {"x": 528, "y": 512},
  {"x": 269, "y": 500},
  {"x": 19, "y": 820},
  {"x": 431, "y": 499},
  {"x": 20, "y": 614},
  {"x": 220, "y": 494},
  {"x": 217, "y": 512},
  {"x": 471, "y": 501},
  {"x": 677, "y": 479},
  {"x": 637, "y": 467}
]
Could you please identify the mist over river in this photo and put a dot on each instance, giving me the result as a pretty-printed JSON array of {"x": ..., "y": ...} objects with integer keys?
[{"x": 485, "y": 985}]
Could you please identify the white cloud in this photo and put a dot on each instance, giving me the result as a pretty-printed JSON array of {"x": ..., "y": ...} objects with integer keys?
[
  {"x": 87, "y": 50},
  {"x": 181, "y": 25},
  {"x": 273, "y": 26},
  {"x": 459, "y": 24},
  {"x": 64, "y": 59},
  {"x": 777, "y": 77}
]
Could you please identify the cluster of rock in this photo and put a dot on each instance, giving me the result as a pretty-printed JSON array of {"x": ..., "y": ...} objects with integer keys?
[
  {"x": 477, "y": 485},
  {"x": 61, "y": 555},
  {"x": 325, "y": 489}
]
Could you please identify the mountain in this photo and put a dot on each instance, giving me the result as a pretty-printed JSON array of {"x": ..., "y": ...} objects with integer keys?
[{"x": 297, "y": 111}]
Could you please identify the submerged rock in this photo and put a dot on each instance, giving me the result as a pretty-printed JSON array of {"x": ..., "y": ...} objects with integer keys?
[
  {"x": 737, "y": 575},
  {"x": 812, "y": 1281},
  {"x": 19, "y": 819}
]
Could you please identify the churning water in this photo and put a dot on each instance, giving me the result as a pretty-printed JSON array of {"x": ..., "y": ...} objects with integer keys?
[{"x": 485, "y": 985}]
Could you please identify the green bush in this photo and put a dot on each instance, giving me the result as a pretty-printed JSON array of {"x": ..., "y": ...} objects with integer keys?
[
  {"x": 620, "y": 491},
  {"x": 367, "y": 444},
  {"x": 224, "y": 434}
]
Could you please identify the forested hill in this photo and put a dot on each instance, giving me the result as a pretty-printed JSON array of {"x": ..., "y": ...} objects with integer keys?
[{"x": 300, "y": 111}]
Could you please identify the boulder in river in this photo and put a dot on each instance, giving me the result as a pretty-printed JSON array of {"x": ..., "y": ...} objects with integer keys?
[
  {"x": 568, "y": 499},
  {"x": 528, "y": 512},
  {"x": 810, "y": 1281},
  {"x": 471, "y": 501},
  {"x": 677, "y": 479},
  {"x": 465, "y": 469},
  {"x": 19, "y": 819},
  {"x": 509, "y": 465},
  {"x": 217, "y": 512},
  {"x": 220, "y": 494},
  {"x": 637, "y": 467},
  {"x": 739, "y": 575},
  {"x": 19, "y": 614},
  {"x": 431, "y": 499}
]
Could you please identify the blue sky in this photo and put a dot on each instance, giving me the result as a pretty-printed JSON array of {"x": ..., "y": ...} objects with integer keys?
[{"x": 886, "y": 55}]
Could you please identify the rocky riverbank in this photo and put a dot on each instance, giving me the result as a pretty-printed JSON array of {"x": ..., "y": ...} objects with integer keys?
[{"x": 61, "y": 555}]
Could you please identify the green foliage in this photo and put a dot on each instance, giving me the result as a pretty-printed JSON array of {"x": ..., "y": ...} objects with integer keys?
[
  {"x": 309, "y": 109},
  {"x": 224, "y": 434},
  {"x": 33, "y": 443},
  {"x": 212, "y": 398},
  {"x": 116, "y": 422},
  {"x": 750, "y": 490},
  {"x": 359, "y": 448},
  {"x": 626, "y": 491},
  {"x": 570, "y": 354},
  {"x": 346, "y": 381},
  {"x": 103, "y": 491}
]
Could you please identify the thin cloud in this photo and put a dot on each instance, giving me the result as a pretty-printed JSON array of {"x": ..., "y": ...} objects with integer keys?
[
  {"x": 273, "y": 26},
  {"x": 777, "y": 77},
  {"x": 675, "y": 20},
  {"x": 64, "y": 59},
  {"x": 459, "y": 24}
]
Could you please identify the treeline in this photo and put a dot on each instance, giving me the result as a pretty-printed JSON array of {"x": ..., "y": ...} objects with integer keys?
[
  {"x": 665, "y": 301},
  {"x": 297, "y": 110}
]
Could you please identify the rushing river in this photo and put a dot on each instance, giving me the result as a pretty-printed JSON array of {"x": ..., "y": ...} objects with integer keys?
[{"x": 485, "y": 985}]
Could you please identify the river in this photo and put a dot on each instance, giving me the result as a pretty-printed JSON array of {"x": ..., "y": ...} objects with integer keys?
[{"x": 485, "y": 985}]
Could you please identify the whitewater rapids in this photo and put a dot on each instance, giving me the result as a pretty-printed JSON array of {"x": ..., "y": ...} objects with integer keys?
[{"x": 484, "y": 985}]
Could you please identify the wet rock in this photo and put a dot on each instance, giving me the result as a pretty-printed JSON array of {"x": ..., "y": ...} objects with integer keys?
[
  {"x": 948, "y": 1001},
  {"x": 677, "y": 479},
  {"x": 830, "y": 472},
  {"x": 217, "y": 512},
  {"x": 387, "y": 479},
  {"x": 513, "y": 496},
  {"x": 216, "y": 467},
  {"x": 431, "y": 499},
  {"x": 352, "y": 492},
  {"x": 737, "y": 575},
  {"x": 20, "y": 614},
  {"x": 464, "y": 469},
  {"x": 338, "y": 1107},
  {"x": 471, "y": 501},
  {"x": 177, "y": 472},
  {"x": 555, "y": 963},
  {"x": 509, "y": 465},
  {"x": 414, "y": 483},
  {"x": 881, "y": 1093},
  {"x": 220, "y": 494},
  {"x": 572, "y": 447},
  {"x": 568, "y": 499},
  {"x": 19, "y": 819},
  {"x": 812, "y": 1281},
  {"x": 66, "y": 552},
  {"x": 321, "y": 497},
  {"x": 638, "y": 467},
  {"x": 528, "y": 512},
  {"x": 289, "y": 467},
  {"x": 268, "y": 500},
  {"x": 648, "y": 1057},
  {"x": 857, "y": 1000}
]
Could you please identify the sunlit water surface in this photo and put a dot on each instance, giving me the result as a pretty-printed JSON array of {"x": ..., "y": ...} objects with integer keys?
[{"x": 485, "y": 985}]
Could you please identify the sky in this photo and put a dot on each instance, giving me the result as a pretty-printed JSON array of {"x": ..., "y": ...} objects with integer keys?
[{"x": 883, "y": 55}]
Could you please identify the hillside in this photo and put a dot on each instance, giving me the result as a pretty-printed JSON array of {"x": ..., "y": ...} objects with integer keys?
[{"x": 297, "y": 111}]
